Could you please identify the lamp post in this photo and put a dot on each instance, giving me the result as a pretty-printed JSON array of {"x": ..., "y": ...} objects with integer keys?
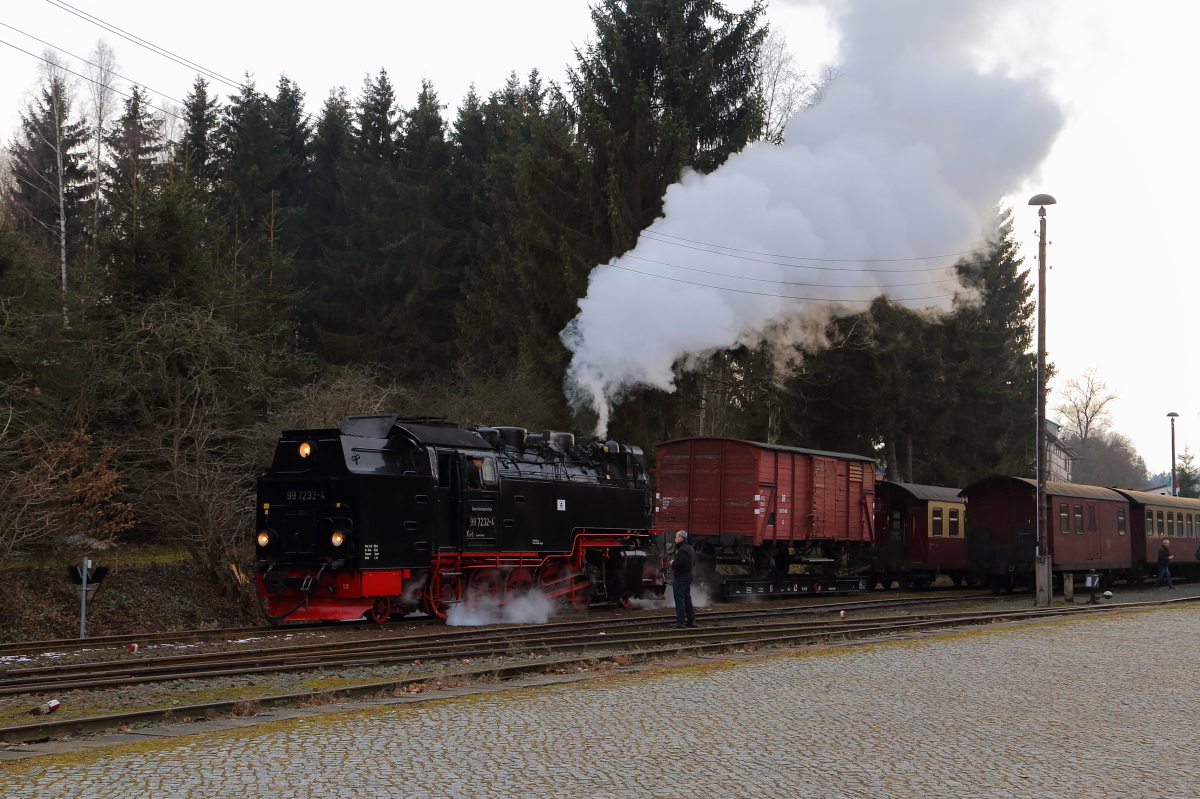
[
  {"x": 1042, "y": 559},
  {"x": 1174, "y": 483}
]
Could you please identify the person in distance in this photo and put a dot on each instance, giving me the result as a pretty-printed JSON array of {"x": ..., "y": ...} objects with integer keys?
[
  {"x": 1164, "y": 565},
  {"x": 682, "y": 567}
]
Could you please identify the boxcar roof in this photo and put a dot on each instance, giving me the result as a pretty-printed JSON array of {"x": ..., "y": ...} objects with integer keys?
[
  {"x": 1057, "y": 489},
  {"x": 843, "y": 455},
  {"x": 931, "y": 493},
  {"x": 1167, "y": 501}
]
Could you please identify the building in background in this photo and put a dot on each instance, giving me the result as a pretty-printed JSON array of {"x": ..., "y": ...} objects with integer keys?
[{"x": 1059, "y": 455}]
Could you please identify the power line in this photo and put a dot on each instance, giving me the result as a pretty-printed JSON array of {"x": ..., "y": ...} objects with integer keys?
[
  {"x": 786, "y": 296},
  {"x": 129, "y": 37},
  {"x": 785, "y": 282},
  {"x": 717, "y": 247},
  {"x": 89, "y": 80},
  {"x": 90, "y": 63},
  {"x": 165, "y": 53}
]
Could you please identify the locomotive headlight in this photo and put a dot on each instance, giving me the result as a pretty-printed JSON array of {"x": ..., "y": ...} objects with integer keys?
[
  {"x": 263, "y": 539},
  {"x": 338, "y": 538},
  {"x": 306, "y": 449}
]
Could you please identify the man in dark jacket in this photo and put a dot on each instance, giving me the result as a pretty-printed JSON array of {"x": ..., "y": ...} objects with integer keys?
[
  {"x": 683, "y": 566},
  {"x": 1164, "y": 565}
]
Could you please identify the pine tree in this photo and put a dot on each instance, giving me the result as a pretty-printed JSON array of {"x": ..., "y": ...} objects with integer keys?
[
  {"x": 250, "y": 158},
  {"x": 197, "y": 148}
]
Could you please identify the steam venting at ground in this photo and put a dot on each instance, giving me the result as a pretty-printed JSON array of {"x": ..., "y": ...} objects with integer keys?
[
  {"x": 480, "y": 608},
  {"x": 906, "y": 156}
]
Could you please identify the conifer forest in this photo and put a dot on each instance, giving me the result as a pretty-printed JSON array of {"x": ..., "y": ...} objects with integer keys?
[{"x": 176, "y": 289}]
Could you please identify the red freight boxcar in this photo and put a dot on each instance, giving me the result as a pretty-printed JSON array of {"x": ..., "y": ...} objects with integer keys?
[
  {"x": 1154, "y": 518},
  {"x": 792, "y": 520},
  {"x": 920, "y": 533},
  {"x": 1088, "y": 529}
]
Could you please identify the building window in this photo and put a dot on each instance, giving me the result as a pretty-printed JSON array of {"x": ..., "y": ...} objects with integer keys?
[
  {"x": 1170, "y": 524},
  {"x": 936, "y": 528},
  {"x": 1064, "y": 518},
  {"x": 1079, "y": 520},
  {"x": 1120, "y": 521},
  {"x": 954, "y": 522},
  {"x": 1161, "y": 527}
]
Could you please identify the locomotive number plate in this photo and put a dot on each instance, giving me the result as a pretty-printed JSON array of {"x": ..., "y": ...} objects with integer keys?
[{"x": 306, "y": 496}]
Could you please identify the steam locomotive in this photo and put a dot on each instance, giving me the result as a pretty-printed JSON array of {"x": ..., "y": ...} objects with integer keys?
[{"x": 384, "y": 515}]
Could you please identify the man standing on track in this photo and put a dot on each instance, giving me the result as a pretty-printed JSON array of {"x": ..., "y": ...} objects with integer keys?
[
  {"x": 1164, "y": 565},
  {"x": 681, "y": 587}
]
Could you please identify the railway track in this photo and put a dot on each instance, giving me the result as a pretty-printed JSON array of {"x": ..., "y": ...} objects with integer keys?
[{"x": 623, "y": 639}]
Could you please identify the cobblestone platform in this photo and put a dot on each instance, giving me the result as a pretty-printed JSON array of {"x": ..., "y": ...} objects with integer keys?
[{"x": 1095, "y": 707}]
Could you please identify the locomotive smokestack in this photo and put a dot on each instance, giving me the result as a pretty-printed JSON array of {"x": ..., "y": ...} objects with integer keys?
[{"x": 906, "y": 157}]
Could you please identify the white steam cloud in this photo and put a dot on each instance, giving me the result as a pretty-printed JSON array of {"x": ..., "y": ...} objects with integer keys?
[
  {"x": 906, "y": 157},
  {"x": 531, "y": 607}
]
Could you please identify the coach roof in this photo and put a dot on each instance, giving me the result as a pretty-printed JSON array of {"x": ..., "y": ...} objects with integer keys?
[
  {"x": 1057, "y": 489},
  {"x": 928, "y": 493},
  {"x": 846, "y": 456},
  {"x": 1165, "y": 500}
]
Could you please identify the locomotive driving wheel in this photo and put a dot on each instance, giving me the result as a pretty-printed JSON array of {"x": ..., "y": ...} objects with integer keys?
[
  {"x": 486, "y": 585},
  {"x": 443, "y": 591},
  {"x": 554, "y": 578},
  {"x": 381, "y": 608},
  {"x": 518, "y": 583}
]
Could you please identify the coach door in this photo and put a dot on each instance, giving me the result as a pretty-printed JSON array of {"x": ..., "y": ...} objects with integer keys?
[
  {"x": 1093, "y": 533},
  {"x": 896, "y": 529}
]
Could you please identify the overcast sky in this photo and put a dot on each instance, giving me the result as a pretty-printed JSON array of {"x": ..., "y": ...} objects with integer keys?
[{"x": 1124, "y": 295}]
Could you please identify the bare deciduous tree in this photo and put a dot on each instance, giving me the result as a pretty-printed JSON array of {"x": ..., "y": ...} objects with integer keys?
[
  {"x": 785, "y": 88},
  {"x": 102, "y": 77},
  {"x": 1084, "y": 406}
]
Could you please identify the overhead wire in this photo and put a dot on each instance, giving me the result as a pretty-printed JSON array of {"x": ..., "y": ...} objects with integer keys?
[
  {"x": 129, "y": 37},
  {"x": 786, "y": 282},
  {"x": 165, "y": 53},
  {"x": 89, "y": 80},
  {"x": 90, "y": 63},
  {"x": 785, "y": 296},
  {"x": 654, "y": 233}
]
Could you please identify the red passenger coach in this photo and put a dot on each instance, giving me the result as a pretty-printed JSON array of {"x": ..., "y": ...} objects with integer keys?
[
  {"x": 1088, "y": 528},
  {"x": 791, "y": 520},
  {"x": 1155, "y": 518},
  {"x": 920, "y": 533}
]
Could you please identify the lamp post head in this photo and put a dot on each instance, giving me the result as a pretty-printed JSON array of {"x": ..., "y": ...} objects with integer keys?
[
  {"x": 1173, "y": 415},
  {"x": 1042, "y": 199}
]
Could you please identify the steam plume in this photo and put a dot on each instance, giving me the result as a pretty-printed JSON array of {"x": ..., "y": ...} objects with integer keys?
[{"x": 906, "y": 157}]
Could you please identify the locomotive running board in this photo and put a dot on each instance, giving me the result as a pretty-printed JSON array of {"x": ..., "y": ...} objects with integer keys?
[{"x": 730, "y": 589}]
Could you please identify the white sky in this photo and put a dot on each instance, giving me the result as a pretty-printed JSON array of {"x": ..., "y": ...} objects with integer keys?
[{"x": 1122, "y": 290}]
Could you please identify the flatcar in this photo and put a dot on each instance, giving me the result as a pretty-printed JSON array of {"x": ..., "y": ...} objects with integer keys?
[
  {"x": 1088, "y": 528},
  {"x": 1154, "y": 518},
  {"x": 382, "y": 516},
  {"x": 920, "y": 534},
  {"x": 769, "y": 519}
]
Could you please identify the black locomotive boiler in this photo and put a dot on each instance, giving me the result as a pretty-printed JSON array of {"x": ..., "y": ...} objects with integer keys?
[{"x": 382, "y": 516}]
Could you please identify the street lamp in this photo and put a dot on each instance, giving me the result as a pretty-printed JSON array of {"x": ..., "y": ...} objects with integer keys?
[
  {"x": 1174, "y": 484},
  {"x": 1042, "y": 562}
]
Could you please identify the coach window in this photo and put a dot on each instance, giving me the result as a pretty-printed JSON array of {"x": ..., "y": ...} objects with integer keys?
[
  {"x": 954, "y": 522},
  {"x": 936, "y": 527},
  {"x": 1189, "y": 525},
  {"x": 1064, "y": 518},
  {"x": 1161, "y": 527},
  {"x": 1170, "y": 524},
  {"x": 1092, "y": 518},
  {"x": 1120, "y": 521},
  {"x": 1149, "y": 522},
  {"x": 897, "y": 521},
  {"x": 1079, "y": 520}
]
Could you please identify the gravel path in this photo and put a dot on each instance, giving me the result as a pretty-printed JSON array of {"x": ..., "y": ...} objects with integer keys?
[{"x": 1101, "y": 707}]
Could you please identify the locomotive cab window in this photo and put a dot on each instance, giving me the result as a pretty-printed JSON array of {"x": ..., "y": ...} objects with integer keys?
[
  {"x": 1064, "y": 518},
  {"x": 954, "y": 522},
  {"x": 1079, "y": 520},
  {"x": 481, "y": 473},
  {"x": 936, "y": 527},
  {"x": 1120, "y": 521}
]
